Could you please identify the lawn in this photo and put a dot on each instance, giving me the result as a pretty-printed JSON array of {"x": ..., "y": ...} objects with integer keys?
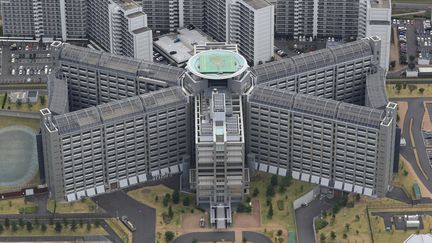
[
  {"x": 358, "y": 226},
  {"x": 16, "y": 205},
  {"x": 66, "y": 230},
  {"x": 83, "y": 206},
  {"x": 6, "y": 121},
  {"x": 120, "y": 229},
  {"x": 392, "y": 92},
  {"x": 26, "y": 107},
  {"x": 153, "y": 196},
  {"x": 281, "y": 218}
]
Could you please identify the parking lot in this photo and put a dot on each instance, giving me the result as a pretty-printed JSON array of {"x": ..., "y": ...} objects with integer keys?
[
  {"x": 414, "y": 39},
  {"x": 25, "y": 62}
]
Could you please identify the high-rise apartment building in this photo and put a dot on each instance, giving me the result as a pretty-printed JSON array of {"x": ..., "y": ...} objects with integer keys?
[
  {"x": 342, "y": 19},
  {"x": 163, "y": 16},
  {"x": 117, "y": 26},
  {"x": 136, "y": 121}
]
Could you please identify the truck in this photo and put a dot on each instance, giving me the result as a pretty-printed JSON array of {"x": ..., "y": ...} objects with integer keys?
[{"x": 128, "y": 223}]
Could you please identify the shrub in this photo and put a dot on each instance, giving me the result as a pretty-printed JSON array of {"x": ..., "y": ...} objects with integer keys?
[
  {"x": 270, "y": 211},
  {"x": 274, "y": 180},
  {"x": 255, "y": 192},
  {"x": 280, "y": 205},
  {"x": 169, "y": 236},
  {"x": 176, "y": 197},
  {"x": 270, "y": 192},
  {"x": 243, "y": 208},
  {"x": 186, "y": 201},
  {"x": 166, "y": 199},
  {"x": 320, "y": 224}
]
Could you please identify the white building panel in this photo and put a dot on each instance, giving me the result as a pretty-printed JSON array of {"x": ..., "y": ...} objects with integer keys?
[
  {"x": 272, "y": 169},
  {"x": 164, "y": 171},
  {"x": 71, "y": 197},
  {"x": 91, "y": 192},
  {"x": 368, "y": 191},
  {"x": 325, "y": 181},
  {"x": 358, "y": 189},
  {"x": 81, "y": 194},
  {"x": 155, "y": 173},
  {"x": 142, "y": 178},
  {"x": 282, "y": 172},
  {"x": 123, "y": 183},
  {"x": 263, "y": 167},
  {"x": 305, "y": 177},
  {"x": 296, "y": 175},
  {"x": 133, "y": 180},
  {"x": 100, "y": 189},
  {"x": 315, "y": 179},
  {"x": 174, "y": 169},
  {"x": 348, "y": 187},
  {"x": 338, "y": 185}
]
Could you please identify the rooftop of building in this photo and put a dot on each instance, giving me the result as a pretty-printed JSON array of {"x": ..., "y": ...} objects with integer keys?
[
  {"x": 182, "y": 43},
  {"x": 95, "y": 116},
  {"x": 127, "y": 4},
  {"x": 331, "y": 109},
  {"x": 312, "y": 60},
  {"x": 119, "y": 63},
  {"x": 217, "y": 64},
  {"x": 380, "y": 3},
  {"x": 258, "y": 4}
]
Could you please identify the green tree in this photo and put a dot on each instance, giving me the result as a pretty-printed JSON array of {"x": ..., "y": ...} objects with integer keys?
[
  {"x": 347, "y": 227},
  {"x": 398, "y": 86},
  {"x": 14, "y": 226},
  {"x": 88, "y": 226},
  {"x": 412, "y": 87},
  {"x": 411, "y": 58},
  {"x": 176, "y": 197},
  {"x": 270, "y": 211},
  {"x": 421, "y": 90},
  {"x": 43, "y": 227},
  {"x": 322, "y": 238},
  {"x": 97, "y": 223},
  {"x": 65, "y": 222},
  {"x": 170, "y": 212},
  {"x": 42, "y": 99},
  {"x": 81, "y": 223},
  {"x": 21, "y": 223},
  {"x": 333, "y": 235},
  {"x": 19, "y": 103},
  {"x": 29, "y": 226},
  {"x": 1, "y": 228},
  {"x": 186, "y": 201},
  {"x": 7, "y": 222},
  {"x": 58, "y": 227},
  {"x": 169, "y": 236},
  {"x": 270, "y": 192},
  {"x": 255, "y": 192},
  {"x": 166, "y": 200},
  {"x": 274, "y": 180},
  {"x": 73, "y": 225}
]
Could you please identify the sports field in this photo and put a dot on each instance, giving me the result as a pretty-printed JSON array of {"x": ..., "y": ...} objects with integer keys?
[{"x": 217, "y": 63}]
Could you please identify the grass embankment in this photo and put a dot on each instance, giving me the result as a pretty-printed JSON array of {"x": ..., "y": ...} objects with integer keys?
[
  {"x": 404, "y": 180},
  {"x": 38, "y": 229},
  {"x": 283, "y": 212},
  {"x": 6, "y": 121},
  {"x": 409, "y": 90},
  {"x": 82, "y": 206},
  {"x": 154, "y": 197},
  {"x": 16, "y": 206},
  {"x": 120, "y": 229}
]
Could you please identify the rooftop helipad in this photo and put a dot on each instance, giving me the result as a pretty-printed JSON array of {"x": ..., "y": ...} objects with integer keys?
[{"x": 217, "y": 64}]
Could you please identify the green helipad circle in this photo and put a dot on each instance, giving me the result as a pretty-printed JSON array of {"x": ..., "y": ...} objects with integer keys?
[
  {"x": 18, "y": 155},
  {"x": 217, "y": 64}
]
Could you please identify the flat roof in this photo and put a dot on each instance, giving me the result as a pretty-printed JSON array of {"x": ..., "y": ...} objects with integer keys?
[
  {"x": 380, "y": 3},
  {"x": 217, "y": 64},
  {"x": 257, "y": 4},
  {"x": 184, "y": 47}
]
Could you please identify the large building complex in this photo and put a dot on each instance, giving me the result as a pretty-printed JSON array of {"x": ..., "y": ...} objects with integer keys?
[
  {"x": 117, "y": 26},
  {"x": 321, "y": 117},
  {"x": 248, "y": 23},
  {"x": 342, "y": 19}
]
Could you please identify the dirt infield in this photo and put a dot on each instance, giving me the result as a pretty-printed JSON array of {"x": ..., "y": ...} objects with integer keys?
[{"x": 190, "y": 222}]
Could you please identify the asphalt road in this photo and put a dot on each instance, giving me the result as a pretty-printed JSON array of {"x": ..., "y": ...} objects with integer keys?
[
  {"x": 304, "y": 218},
  {"x": 415, "y": 113},
  {"x": 142, "y": 217},
  {"x": 207, "y": 237},
  {"x": 413, "y": 6}
]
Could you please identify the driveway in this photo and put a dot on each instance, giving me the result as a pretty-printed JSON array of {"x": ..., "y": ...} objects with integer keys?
[
  {"x": 304, "y": 218},
  {"x": 414, "y": 115},
  {"x": 227, "y": 236},
  {"x": 143, "y": 217}
]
